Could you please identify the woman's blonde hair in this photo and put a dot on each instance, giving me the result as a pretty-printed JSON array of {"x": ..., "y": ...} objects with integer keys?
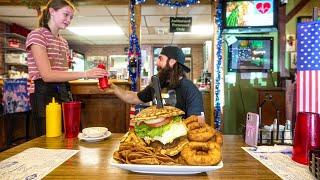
[{"x": 55, "y": 4}]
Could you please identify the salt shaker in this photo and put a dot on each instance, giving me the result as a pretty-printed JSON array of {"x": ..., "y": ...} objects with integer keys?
[
  {"x": 288, "y": 133},
  {"x": 274, "y": 128}
]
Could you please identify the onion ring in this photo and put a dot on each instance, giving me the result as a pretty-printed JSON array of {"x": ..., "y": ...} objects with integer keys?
[
  {"x": 202, "y": 134},
  {"x": 202, "y": 153},
  {"x": 218, "y": 138},
  {"x": 191, "y": 119},
  {"x": 193, "y": 125}
]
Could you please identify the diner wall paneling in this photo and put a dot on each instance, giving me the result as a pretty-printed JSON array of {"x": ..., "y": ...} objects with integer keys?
[{"x": 240, "y": 92}]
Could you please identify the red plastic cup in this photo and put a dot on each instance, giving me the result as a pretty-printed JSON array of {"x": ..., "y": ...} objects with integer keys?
[
  {"x": 306, "y": 136},
  {"x": 103, "y": 82},
  {"x": 71, "y": 118}
]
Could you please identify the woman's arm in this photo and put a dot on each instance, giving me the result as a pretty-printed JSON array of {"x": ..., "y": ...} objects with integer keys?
[{"x": 48, "y": 75}]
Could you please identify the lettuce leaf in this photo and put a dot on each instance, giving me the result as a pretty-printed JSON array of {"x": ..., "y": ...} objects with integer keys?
[{"x": 143, "y": 130}]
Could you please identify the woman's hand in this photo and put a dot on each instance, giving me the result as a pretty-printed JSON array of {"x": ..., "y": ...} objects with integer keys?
[{"x": 95, "y": 73}]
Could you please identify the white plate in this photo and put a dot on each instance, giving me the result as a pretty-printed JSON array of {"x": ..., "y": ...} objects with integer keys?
[
  {"x": 94, "y": 131},
  {"x": 165, "y": 169},
  {"x": 81, "y": 136}
]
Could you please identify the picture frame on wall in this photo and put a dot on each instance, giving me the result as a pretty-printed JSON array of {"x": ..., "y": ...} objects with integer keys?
[{"x": 293, "y": 60}]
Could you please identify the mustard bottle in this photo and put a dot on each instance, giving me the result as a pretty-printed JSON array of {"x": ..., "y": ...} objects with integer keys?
[{"x": 53, "y": 119}]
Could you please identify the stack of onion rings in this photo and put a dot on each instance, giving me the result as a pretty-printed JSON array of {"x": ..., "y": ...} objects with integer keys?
[{"x": 205, "y": 144}]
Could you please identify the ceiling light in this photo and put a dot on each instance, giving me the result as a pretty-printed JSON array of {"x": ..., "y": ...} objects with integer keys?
[
  {"x": 96, "y": 30},
  {"x": 165, "y": 19},
  {"x": 200, "y": 30}
]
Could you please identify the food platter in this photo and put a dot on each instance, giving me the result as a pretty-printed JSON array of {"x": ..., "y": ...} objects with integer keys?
[
  {"x": 169, "y": 145},
  {"x": 165, "y": 169}
]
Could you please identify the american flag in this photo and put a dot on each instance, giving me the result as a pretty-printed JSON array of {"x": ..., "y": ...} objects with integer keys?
[{"x": 308, "y": 67}]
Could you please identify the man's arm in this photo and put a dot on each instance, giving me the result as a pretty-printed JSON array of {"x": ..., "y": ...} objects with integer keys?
[{"x": 126, "y": 96}]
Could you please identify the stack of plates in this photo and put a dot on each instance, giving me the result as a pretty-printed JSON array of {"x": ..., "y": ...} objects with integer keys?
[{"x": 94, "y": 134}]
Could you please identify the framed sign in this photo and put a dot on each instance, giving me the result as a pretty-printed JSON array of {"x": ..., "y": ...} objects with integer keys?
[{"x": 180, "y": 24}]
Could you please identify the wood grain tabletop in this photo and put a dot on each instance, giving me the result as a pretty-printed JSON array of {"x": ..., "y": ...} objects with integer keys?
[{"x": 93, "y": 161}]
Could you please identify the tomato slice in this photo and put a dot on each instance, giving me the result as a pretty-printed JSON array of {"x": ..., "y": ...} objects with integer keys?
[{"x": 160, "y": 123}]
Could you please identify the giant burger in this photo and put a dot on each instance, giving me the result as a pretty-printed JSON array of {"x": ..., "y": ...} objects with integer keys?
[{"x": 162, "y": 128}]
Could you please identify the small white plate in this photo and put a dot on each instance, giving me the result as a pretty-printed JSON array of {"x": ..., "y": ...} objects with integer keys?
[
  {"x": 165, "y": 169},
  {"x": 81, "y": 136},
  {"x": 94, "y": 132}
]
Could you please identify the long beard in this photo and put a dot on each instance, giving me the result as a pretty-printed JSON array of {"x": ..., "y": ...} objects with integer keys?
[{"x": 164, "y": 76}]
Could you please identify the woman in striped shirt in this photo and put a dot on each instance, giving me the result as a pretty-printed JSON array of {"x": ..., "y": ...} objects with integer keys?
[{"x": 47, "y": 54}]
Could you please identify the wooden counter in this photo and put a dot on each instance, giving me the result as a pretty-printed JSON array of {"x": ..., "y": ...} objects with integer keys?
[
  {"x": 92, "y": 162},
  {"x": 101, "y": 108},
  {"x": 206, "y": 97}
]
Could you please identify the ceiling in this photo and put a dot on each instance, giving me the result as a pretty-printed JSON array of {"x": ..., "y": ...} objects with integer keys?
[{"x": 154, "y": 23}]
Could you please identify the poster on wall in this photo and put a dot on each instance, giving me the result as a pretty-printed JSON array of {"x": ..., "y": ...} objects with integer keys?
[
  {"x": 248, "y": 13},
  {"x": 251, "y": 54}
]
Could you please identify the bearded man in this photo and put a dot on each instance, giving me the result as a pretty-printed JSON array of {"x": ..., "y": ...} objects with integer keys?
[{"x": 171, "y": 73}]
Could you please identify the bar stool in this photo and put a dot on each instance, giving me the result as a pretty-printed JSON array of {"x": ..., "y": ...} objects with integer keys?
[{"x": 15, "y": 102}]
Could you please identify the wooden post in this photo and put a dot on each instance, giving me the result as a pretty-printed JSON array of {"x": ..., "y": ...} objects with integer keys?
[
  {"x": 282, "y": 42},
  {"x": 137, "y": 11}
]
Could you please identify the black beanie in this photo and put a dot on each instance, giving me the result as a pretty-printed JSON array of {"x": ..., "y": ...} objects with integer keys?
[{"x": 173, "y": 52}]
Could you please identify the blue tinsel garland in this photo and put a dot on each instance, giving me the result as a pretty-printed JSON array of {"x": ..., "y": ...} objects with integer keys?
[
  {"x": 139, "y": 1},
  {"x": 217, "y": 115},
  {"x": 177, "y": 4},
  {"x": 134, "y": 54}
]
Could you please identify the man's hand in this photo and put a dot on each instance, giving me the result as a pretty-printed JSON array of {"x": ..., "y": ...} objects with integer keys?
[{"x": 201, "y": 120}]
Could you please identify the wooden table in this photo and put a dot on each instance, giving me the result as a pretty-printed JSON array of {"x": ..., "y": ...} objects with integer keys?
[{"x": 92, "y": 162}]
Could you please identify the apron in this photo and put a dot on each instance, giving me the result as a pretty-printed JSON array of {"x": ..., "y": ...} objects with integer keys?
[{"x": 42, "y": 96}]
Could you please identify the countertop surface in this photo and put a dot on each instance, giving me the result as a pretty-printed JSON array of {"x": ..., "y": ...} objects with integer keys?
[{"x": 95, "y": 81}]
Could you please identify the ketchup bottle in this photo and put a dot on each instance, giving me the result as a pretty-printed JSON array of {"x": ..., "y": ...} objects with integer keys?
[{"x": 103, "y": 82}]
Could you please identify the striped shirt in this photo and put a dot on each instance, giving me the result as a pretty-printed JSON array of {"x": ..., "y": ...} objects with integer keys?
[{"x": 57, "y": 51}]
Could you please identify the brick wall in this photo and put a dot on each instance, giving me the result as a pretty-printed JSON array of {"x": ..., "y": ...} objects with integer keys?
[
  {"x": 197, "y": 60},
  {"x": 107, "y": 50}
]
